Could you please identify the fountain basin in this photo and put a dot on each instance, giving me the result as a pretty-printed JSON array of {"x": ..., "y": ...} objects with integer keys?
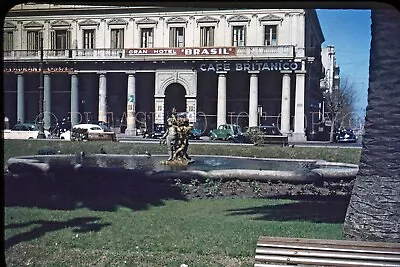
[{"x": 202, "y": 167}]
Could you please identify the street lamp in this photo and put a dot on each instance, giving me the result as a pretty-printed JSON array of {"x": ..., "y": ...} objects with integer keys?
[{"x": 41, "y": 134}]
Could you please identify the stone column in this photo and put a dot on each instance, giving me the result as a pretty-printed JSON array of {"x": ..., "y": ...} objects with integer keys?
[
  {"x": 20, "y": 98},
  {"x": 74, "y": 100},
  {"x": 253, "y": 99},
  {"x": 221, "y": 104},
  {"x": 285, "y": 105},
  {"x": 47, "y": 101},
  {"x": 299, "y": 134},
  {"x": 102, "y": 116},
  {"x": 131, "y": 105}
]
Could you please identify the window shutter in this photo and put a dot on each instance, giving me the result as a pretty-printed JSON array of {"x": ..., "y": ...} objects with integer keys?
[
  {"x": 211, "y": 36},
  {"x": 52, "y": 40},
  {"x": 183, "y": 38},
  {"x": 122, "y": 39},
  {"x": 234, "y": 36},
  {"x": 244, "y": 36},
  {"x": 202, "y": 36},
  {"x": 68, "y": 41},
  {"x": 171, "y": 37},
  {"x": 150, "y": 42},
  {"x": 40, "y": 37}
]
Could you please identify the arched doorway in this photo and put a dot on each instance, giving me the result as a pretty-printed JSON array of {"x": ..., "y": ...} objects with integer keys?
[{"x": 174, "y": 97}]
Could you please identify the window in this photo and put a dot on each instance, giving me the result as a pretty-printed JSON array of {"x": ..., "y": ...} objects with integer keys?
[
  {"x": 239, "y": 36},
  {"x": 176, "y": 37},
  {"x": 60, "y": 39},
  {"x": 33, "y": 40},
  {"x": 270, "y": 35},
  {"x": 207, "y": 36},
  {"x": 117, "y": 38},
  {"x": 89, "y": 39},
  {"x": 8, "y": 42},
  {"x": 146, "y": 37}
]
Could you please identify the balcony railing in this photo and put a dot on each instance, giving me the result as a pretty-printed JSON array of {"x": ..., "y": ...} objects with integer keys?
[
  {"x": 284, "y": 51},
  {"x": 256, "y": 52}
]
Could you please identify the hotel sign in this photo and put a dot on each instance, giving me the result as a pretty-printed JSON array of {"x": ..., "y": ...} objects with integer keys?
[{"x": 187, "y": 51}]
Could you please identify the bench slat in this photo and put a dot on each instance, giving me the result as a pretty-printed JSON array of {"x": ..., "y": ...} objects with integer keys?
[
  {"x": 328, "y": 254},
  {"x": 337, "y": 248},
  {"x": 310, "y": 261},
  {"x": 327, "y": 242},
  {"x": 272, "y": 251}
]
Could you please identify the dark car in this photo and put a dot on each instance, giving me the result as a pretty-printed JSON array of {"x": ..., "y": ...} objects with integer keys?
[
  {"x": 158, "y": 132},
  {"x": 265, "y": 134},
  {"x": 343, "y": 135}
]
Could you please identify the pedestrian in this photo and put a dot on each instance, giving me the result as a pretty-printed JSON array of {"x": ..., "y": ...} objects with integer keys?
[{"x": 6, "y": 122}]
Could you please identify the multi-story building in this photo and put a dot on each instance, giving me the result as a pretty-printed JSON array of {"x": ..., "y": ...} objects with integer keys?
[
  {"x": 331, "y": 78},
  {"x": 329, "y": 83},
  {"x": 113, "y": 63}
]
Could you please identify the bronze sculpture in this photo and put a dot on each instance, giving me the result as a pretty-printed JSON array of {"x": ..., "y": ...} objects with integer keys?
[{"x": 177, "y": 139}]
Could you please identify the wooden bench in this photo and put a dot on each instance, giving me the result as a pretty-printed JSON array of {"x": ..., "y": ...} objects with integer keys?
[
  {"x": 276, "y": 139},
  {"x": 277, "y": 251}
]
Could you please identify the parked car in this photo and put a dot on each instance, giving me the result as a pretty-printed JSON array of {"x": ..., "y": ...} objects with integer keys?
[
  {"x": 158, "y": 132},
  {"x": 89, "y": 132},
  {"x": 195, "y": 134},
  {"x": 231, "y": 132},
  {"x": 264, "y": 134},
  {"x": 24, "y": 131},
  {"x": 103, "y": 125},
  {"x": 141, "y": 131},
  {"x": 344, "y": 135}
]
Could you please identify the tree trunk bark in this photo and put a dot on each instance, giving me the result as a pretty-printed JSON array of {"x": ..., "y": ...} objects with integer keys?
[{"x": 374, "y": 210}]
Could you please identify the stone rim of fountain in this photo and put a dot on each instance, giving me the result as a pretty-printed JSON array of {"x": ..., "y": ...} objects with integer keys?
[{"x": 323, "y": 170}]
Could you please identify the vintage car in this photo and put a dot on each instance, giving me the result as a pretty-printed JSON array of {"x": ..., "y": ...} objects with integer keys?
[
  {"x": 24, "y": 131},
  {"x": 231, "y": 132},
  {"x": 88, "y": 132},
  {"x": 157, "y": 133},
  {"x": 264, "y": 134},
  {"x": 344, "y": 135},
  {"x": 195, "y": 134}
]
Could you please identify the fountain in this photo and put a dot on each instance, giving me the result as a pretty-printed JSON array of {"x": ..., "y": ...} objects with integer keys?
[
  {"x": 178, "y": 165},
  {"x": 204, "y": 167}
]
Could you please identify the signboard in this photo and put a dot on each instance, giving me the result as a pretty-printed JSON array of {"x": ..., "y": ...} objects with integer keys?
[
  {"x": 131, "y": 98},
  {"x": 187, "y": 51},
  {"x": 36, "y": 69},
  {"x": 250, "y": 66}
]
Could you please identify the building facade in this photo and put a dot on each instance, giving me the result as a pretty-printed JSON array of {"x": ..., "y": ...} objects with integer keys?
[{"x": 134, "y": 64}]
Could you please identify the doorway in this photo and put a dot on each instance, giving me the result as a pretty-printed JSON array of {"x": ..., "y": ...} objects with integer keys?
[{"x": 174, "y": 98}]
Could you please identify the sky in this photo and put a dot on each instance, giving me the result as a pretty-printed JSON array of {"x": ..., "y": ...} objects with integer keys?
[{"x": 349, "y": 30}]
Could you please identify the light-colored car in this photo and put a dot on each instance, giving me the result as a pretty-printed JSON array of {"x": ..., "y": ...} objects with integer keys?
[
  {"x": 87, "y": 132},
  {"x": 24, "y": 131}
]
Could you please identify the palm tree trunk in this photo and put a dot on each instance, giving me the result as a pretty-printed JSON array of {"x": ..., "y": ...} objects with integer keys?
[{"x": 374, "y": 210}]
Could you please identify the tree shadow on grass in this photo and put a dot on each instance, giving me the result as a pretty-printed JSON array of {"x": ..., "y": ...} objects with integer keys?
[
  {"x": 103, "y": 189},
  {"x": 80, "y": 225},
  {"x": 318, "y": 211}
]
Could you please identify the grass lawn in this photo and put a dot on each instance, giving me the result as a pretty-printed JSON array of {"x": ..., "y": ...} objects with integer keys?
[
  {"x": 197, "y": 232},
  {"x": 207, "y": 232}
]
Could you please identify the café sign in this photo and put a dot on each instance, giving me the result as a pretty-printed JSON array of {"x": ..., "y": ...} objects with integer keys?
[
  {"x": 251, "y": 66},
  {"x": 187, "y": 51}
]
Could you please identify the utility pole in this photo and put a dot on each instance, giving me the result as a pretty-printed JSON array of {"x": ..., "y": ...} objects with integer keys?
[{"x": 41, "y": 134}]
